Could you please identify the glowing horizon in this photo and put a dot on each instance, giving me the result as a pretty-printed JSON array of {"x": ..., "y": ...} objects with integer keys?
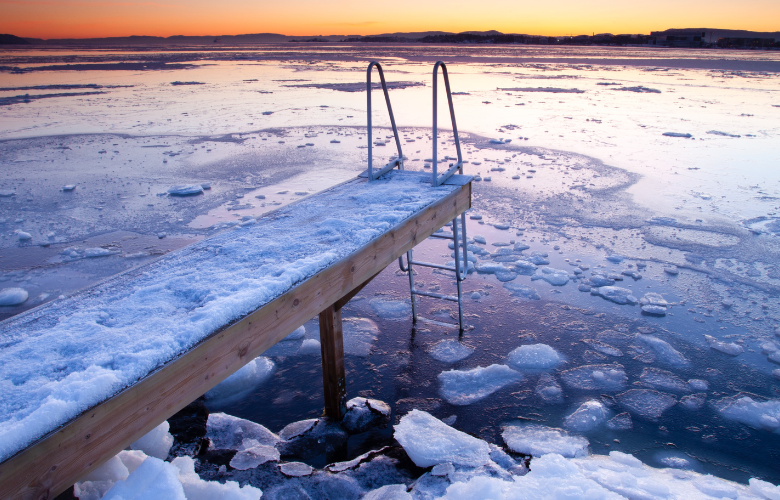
[{"x": 94, "y": 19}]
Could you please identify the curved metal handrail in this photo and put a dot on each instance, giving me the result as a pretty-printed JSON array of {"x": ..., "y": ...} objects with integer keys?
[
  {"x": 439, "y": 179},
  {"x": 399, "y": 161}
]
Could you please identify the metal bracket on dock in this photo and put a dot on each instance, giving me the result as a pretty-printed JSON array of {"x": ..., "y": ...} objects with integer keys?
[{"x": 398, "y": 161}]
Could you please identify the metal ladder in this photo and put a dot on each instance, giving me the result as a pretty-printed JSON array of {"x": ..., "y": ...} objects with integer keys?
[{"x": 458, "y": 235}]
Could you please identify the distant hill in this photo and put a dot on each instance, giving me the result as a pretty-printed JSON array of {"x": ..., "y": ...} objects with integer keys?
[
  {"x": 710, "y": 36},
  {"x": 247, "y": 39},
  {"x": 12, "y": 40}
]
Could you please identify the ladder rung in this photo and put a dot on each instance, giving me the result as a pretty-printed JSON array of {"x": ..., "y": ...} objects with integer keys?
[
  {"x": 442, "y": 236},
  {"x": 435, "y": 266},
  {"x": 435, "y": 295}
]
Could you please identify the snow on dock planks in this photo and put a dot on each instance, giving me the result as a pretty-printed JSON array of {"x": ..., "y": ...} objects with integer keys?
[{"x": 120, "y": 357}]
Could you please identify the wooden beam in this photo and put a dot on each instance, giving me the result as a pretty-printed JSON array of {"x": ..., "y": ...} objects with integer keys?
[
  {"x": 334, "y": 380},
  {"x": 345, "y": 299},
  {"x": 54, "y": 463}
]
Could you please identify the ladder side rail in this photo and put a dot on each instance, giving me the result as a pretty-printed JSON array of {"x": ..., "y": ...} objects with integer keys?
[
  {"x": 439, "y": 179},
  {"x": 399, "y": 161}
]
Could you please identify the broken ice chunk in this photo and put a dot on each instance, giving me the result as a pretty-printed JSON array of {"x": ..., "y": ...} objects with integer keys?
[
  {"x": 157, "y": 442},
  {"x": 359, "y": 336},
  {"x": 615, "y": 294},
  {"x": 677, "y": 134},
  {"x": 23, "y": 236},
  {"x": 617, "y": 259},
  {"x": 549, "y": 389},
  {"x": 391, "y": 309},
  {"x": 463, "y": 387},
  {"x": 226, "y": 432},
  {"x": 535, "y": 357},
  {"x": 68, "y": 187},
  {"x": 296, "y": 469},
  {"x": 428, "y": 441},
  {"x": 254, "y": 456},
  {"x": 189, "y": 190},
  {"x": 588, "y": 416},
  {"x": 97, "y": 252},
  {"x": 13, "y": 296},
  {"x": 153, "y": 479},
  {"x": 538, "y": 440},
  {"x": 450, "y": 351},
  {"x": 646, "y": 403},
  {"x": 662, "y": 379},
  {"x": 757, "y": 414},
  {"x": 245, "y": 379},
  {"x": 663, "y": 350},
  {"x": 555, "y": 277},
  {"x": 621, "y": 422},
  {"x": 523, "y": 291},
  {"x": 310, "y": 347},
  {"x": 391, "y": 492},
  {"x": 363, "y": 414},
  {"x": 693, "y": 401},
  {"x": 729, "y": 348},
  {"x": 698, "y": 384},
  {"x": 591, "y": 377}
]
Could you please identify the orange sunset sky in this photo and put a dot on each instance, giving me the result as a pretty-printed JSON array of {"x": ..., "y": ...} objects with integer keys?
[{"x": 86, "y": 18}]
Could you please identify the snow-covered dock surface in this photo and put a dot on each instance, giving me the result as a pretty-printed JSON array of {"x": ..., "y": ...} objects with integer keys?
[{"x": 68, "y": 356}]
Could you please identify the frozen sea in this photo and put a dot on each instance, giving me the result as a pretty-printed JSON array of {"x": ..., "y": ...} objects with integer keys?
[{"x": 626, "y": 219}]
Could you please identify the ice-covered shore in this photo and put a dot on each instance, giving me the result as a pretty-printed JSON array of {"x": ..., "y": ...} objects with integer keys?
[{"x": 218, "y": 456}]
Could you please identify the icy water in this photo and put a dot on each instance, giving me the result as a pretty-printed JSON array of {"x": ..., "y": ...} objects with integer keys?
[{"x": 654, "y": 171}]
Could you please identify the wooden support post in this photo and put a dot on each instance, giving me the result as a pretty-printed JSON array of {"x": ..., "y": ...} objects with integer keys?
[{"x": 333, "y": 378}]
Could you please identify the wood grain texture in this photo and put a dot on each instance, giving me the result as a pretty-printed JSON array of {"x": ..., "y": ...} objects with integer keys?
[
  {"x": 334, "y": 380},
  {"x": 54, "y": 463}
]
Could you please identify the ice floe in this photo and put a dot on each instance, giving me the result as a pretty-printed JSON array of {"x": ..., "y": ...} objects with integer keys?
[
  {"x": 464, "y": 387},
  {"x": 156, "y": 443},
  {"x": 190, "y": 190},
  {"x": 522, "y": 291},
  {"x": 244, "y": 379},
  {"x": 549, "y": 389},
  {"x": 662, "y": 379},
  {"x": 538, "y": 440},
  {"x": 391, "y": 309},
  {"x": 591, "y": 377},
  {"x": 586, "y": 417},
  {"x": 450, "y": 351},
  {"x": 664, "y": 352},
  {"x": 360, "y": 335},
  {"x": 13, "y": 296},
  {"x": 616, "y": 294},
  {"x": 226, "y": 432},
  {"x": 729, "y": 348},
  {"x": 646, "y": 403},
  {"x": 535, "y": 357},
  {"x": 555, "y": 277},
  {"x": 363, "y": 413},
  {"x": 763, "y": 415}
]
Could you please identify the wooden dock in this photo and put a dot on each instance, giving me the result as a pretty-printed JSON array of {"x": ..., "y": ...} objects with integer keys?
[{"x": 68, "y": 452}]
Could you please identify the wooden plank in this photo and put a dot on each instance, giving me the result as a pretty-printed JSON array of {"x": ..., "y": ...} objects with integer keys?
[
  {"x": 334, "y": 380},
  {"x": 345, "y": 299},
  {"x": 54, "y": 463}
]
